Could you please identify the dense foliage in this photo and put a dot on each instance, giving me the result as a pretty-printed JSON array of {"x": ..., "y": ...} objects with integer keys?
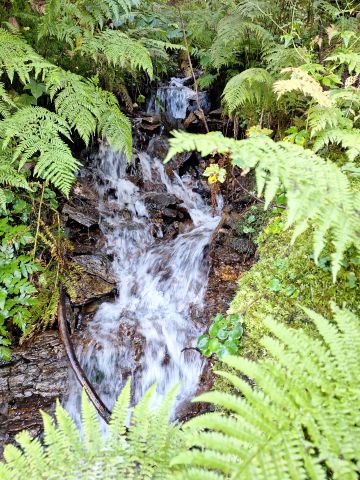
[
  {"x": 277, "y": 430},
  {"x": 287, "y": 77}
]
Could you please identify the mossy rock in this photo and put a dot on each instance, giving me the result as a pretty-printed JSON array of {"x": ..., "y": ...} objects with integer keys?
[{"x": 286, "y": 278}]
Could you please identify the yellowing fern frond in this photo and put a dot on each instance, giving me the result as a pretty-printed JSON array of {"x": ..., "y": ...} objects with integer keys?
[{"x": 302, "y": 81}]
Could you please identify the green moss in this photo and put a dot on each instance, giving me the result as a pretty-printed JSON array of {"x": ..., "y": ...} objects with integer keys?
[{"x": 286, "y": 278}]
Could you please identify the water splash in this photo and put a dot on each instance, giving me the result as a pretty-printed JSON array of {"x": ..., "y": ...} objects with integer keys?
[
  {"x": 147, "y": 331},
  {"x": 177, "y": 100}
]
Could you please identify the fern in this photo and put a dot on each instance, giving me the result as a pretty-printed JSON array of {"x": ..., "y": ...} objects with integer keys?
[
  {"x": 252, "y": 86},
  {"x": 322, "y": 118},
  {"x": 36, "y": 131},
  {"x": 79, "y": 101},
  {"x": 349, "y": 139},
  {"x": 142, "y": 451},
  {"x": 351, "y": 59},
  {"x": 68, "y": 20},
  {"x": 6, "y": 104},
  {"x": 318, "y": 192},
  {"x": 119, "y": 50},
  {"x": 9, "y": 176},
  {"x": 346, "y": 97},
  {"x": 301, "y": 80},
  {"x": 16, "y": 56},
  {"x": 234, "y": 31},
  {"x": 88, "y": 108},
  {"x": 300, "y": 421},
  {"x": 279, "y": 57}
]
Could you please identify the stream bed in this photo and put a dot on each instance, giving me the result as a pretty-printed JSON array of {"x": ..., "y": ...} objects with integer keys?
[
  {"x": 159, "y": 280},
  {"x": 154, "y": 265}
]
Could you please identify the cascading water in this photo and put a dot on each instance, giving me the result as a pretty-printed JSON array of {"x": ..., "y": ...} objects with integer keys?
[
  {"x": 158, "y": 283},
  {"x": 177, "y": 99}
]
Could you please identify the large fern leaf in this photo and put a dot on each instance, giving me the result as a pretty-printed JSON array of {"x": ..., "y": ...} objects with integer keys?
[
  {"x": 349, "y": 139},
  {"x": 318, "y": 192},
  {"x": 69, "y": 19},
  {"x": 119, "y": 50},
  {"x": 79, "y": 101},
  {"x": 234, "y": 31},
  {"x": 301, "y": 419},
  {"x": 252, "y": 86},
  {"x": 36, "y": 133},
  {"x": 140, "y": 444}
]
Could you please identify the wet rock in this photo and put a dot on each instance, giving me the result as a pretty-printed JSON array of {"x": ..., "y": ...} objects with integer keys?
[
  {"x": 85, "y": 216},
  {"x": 129, "y": 334},
  {"x": 156, "y": 202},
  {"x": 158, "y": 147},
  {"x": 242, "y": 245},
  {"x": 97, "y": 265},
  {"x": 34, "y": 377},
  {"x": 83, "y": 189},
  {"x": 86, "y": 242},
  {"x": 218, "y": 113},
  {"x": 91, "y": 287}
]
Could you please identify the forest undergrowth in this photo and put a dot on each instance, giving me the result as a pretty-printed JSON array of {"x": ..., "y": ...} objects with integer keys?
[{"x": 286, "y": 76}]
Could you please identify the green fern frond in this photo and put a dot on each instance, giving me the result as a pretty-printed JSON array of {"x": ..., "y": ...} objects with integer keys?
[
  {"x": 9, "y": 175},
  {"x": 233, "y": 31},
  {"x": 80, "y": 103},
  {"x": 139, "y": 445},
  {"x": 68, "y": 20},
  {"x": 89, "y": 108},
  {"x": 351, "y": 59},
  {"x": 6, "y": 104},
  {"x": 2, "y": 199},
  {"x": 348, "y": 139},
  {"x": 322, "y": 118},
  {"x": 16, "y": 56},
  {"x": 323, "y": 6},
  {"x": 119, "y": 50},
  {"x": 252, "y": 86},
  {"x": 346, "y": 97},
  {"x": 279, "y": 57},
  {"x": 34, "y": 131},
  {"x": 280, "y": 429},
  {"x": 318, "y": 192},
  {"x": 254, "y": 9}
]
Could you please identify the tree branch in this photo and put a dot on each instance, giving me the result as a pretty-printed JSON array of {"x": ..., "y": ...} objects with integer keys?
[{"x": 103, "y": 411}]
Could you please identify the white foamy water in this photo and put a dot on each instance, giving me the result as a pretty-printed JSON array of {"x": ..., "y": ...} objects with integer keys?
[
  {"x": 158, "y": 282},
  {"x": 176, "y": 99}
]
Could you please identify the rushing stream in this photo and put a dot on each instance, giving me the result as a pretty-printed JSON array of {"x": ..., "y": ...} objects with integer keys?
[{"x": 159, "y": 281}]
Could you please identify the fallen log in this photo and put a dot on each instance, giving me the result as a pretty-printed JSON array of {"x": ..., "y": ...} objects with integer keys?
[{"x": 101, "y": 408}]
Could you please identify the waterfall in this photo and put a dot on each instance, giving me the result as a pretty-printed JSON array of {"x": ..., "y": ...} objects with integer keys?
[
  {"x": 177, "y": 99},
  {"x": 159, "y": 282}
]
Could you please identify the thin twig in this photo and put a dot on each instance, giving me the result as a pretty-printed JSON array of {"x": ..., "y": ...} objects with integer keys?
[
  {"x": 38, "y": 219},
  {"x": 257, "y": 198},
  {"x": 193, "y": 73}
]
